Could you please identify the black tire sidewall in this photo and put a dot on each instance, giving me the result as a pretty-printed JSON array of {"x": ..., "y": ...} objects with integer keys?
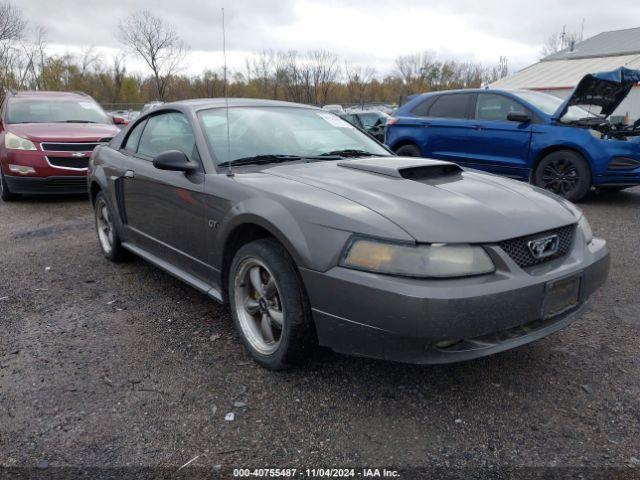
[
  {"x": 117, "y": 253},
  {"x": 409, "y": 150},
  {"x": 7, "y": 195},
  {"x": 297, "y": 342},
  {"x": 584, "y": 172}
]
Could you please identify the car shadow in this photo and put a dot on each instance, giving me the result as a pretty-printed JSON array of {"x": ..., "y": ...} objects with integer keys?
[
  {"x": 630, "y": 197},
  {"x": 47, "y": 199}
]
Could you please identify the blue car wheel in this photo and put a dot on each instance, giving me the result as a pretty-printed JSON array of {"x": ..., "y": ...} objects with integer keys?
[{"x": 564, "y": 173}]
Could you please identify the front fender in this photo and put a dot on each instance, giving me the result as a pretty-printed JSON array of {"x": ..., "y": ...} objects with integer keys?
[{"x": 271, "y": 216}]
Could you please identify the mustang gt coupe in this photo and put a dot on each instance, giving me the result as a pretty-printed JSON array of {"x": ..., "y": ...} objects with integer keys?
[{"x": 314, "y": 233}]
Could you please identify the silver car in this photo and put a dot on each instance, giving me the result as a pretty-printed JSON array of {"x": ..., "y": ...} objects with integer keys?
[{"x": 314, "y": 233}]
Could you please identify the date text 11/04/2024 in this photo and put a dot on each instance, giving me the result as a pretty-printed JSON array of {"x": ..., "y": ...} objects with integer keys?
[{"x": 316, "y": 472}]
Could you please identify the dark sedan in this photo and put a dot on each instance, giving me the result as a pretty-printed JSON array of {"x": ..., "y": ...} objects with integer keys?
[{"x": 315, "y": 233}]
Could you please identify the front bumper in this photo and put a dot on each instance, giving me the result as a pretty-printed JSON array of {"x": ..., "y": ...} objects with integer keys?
[
  {"x": 47, "y": 185},
  {"x": 402, "y": 319}
]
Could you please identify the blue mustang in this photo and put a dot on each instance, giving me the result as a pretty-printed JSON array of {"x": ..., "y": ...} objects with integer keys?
[{"x": 566, "y": 146}]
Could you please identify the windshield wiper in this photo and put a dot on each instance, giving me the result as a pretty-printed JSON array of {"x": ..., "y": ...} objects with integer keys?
[
  {"x": 349, "y": 152},
  {"x": 76, "y": 121},
  {"x": 278, "y": 158},
  {"x": 261, "y": 159}
]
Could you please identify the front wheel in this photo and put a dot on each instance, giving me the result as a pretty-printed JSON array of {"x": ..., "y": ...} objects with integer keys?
[
  {"x": 6, "y": 194},
  {"x": 409, "y": 150},
  {"x": 564, "y": 173},
  {"x": 269, "y": 305},
  {"x": 105, "y": 228}
]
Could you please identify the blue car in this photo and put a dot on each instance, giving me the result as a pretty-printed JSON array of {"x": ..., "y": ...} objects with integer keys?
[{"x": 565, "y": 146}]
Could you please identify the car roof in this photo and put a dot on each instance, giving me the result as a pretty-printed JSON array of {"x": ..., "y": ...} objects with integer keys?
[
  {"x": 206, "y": 103},
  {"x": 48, "y": 94}
]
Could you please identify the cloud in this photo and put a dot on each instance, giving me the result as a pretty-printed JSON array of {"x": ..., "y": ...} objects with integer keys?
[{"x": 367, "y": 31}]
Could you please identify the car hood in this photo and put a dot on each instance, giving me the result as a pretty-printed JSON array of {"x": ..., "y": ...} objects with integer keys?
[
  {"x": 63, "y": 132},
  {"x": 604, "y": 89},
  {"x": 437, "y": 201}
]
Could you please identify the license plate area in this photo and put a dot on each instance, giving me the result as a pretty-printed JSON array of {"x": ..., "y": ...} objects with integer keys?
[{"x": 561, "y": 295}]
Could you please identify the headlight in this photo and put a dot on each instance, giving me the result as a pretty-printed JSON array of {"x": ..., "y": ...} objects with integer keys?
[
  {"x": 14, "y": 142},
  {"x": 436, "y": 260},
  {"x": 595, "y": 134},
  {"x": 583, "y": 224}
]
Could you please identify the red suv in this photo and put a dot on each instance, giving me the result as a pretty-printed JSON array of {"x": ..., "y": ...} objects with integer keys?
[{"x": 46, "y": 139}]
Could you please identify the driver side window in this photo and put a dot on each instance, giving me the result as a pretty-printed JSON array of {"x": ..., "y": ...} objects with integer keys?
[
  {"x": 492, "y": 107},
  {"x": 167, "y": 131}
]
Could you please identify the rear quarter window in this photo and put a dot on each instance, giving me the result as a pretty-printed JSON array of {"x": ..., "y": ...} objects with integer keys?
[
  {"x": 454, "y": 105},
  {"x": 422, "y": 109}
]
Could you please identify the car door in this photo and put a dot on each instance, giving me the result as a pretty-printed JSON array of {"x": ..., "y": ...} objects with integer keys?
[
  {"x": 499, "y": 145},
  {"x": 447, "y": 126},
  {"x": 165, "y": 209}
]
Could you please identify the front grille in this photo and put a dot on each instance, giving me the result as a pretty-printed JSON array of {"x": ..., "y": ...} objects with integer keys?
[
  {"x": 519, "y": 252},
  {"x": 69, "y": 147},
  {"x": 69, "y": 162},
  {"x": 68, "y": 181}
]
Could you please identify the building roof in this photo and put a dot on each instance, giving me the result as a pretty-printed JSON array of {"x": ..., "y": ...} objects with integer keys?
[
  {"x": 605, "y": 44},
  {"x": 555, "y": 74}
]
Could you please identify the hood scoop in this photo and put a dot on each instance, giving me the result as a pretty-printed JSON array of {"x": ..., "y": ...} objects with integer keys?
[{"x": 404, "y": 167}]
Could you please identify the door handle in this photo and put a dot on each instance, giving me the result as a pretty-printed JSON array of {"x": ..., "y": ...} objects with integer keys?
[
  {"x": 476, "y": 127},
  {"x": 129, "y": 174}
]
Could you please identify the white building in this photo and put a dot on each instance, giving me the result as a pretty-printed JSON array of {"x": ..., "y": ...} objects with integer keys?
[{"x": 560, "y": 72}]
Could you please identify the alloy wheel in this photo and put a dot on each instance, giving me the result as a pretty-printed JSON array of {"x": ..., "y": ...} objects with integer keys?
[
  {"x": 560, "y": 176},
  {"x": 258, "y": 305},
  {"x": 104, "y": 226}
]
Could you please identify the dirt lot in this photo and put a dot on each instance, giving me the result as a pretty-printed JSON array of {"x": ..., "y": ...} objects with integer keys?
[{"x": 123, "y": 366}]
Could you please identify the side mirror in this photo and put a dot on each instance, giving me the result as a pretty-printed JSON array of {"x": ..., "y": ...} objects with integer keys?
[
  {"x": 174, "y": 161},
  {"x": 519, "y": 117},
  {"x": 118, "y": 120}
]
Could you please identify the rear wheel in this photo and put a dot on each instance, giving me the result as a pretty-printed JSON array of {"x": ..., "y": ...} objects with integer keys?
[
  {"x": 564, "y": 173},
  {"x": 105, "y": 228},
  {"x": 6, "y": 194},
  {"x": 409, "y": 150},
  {"x": 269, "y": 305}
]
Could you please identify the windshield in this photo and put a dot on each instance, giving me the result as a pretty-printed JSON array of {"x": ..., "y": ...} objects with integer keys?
[
  {"x": 550, "y": 104},
  {"x": 281, "y": 131},
  {"x": 33, "y": 110}
]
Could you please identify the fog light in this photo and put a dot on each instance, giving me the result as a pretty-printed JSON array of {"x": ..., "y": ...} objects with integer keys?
[
  {"x": 21, "y": 169},
  {"x": 623, "y": 163}
]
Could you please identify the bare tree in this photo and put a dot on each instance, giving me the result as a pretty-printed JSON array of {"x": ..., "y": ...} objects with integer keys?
[
  {"x": 12, "y": 23},
  {"x": 324, "y": 73},
  {"x": 358, "y": 81},
  {"x": 558, "y": 42},
  {"x": 497, "y": 72},
  {"x": 419, "y": 71},
  {"x": 157, "y": 43}
]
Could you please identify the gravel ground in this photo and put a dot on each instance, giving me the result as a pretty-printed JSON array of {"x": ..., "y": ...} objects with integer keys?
[{"x": 123, "y": 366}]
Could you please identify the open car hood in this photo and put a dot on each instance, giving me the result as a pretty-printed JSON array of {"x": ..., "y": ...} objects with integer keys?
[{"x": 604, "y": 89}]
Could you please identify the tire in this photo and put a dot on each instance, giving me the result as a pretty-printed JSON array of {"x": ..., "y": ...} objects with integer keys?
[
  {"x": 564, "y": 173},
  {"x": 270, "y": 307},
  {"x": 409, "y": 150},
  {"x": 108, "y": 237},
  {"x": 6, "y": 194}
]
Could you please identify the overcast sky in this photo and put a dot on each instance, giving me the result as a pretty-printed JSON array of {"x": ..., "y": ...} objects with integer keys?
[{"x": 363, "y": 31}]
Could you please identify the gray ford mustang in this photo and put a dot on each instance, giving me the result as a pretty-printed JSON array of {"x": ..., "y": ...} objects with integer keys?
[{"x": 315, "y": 233}]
